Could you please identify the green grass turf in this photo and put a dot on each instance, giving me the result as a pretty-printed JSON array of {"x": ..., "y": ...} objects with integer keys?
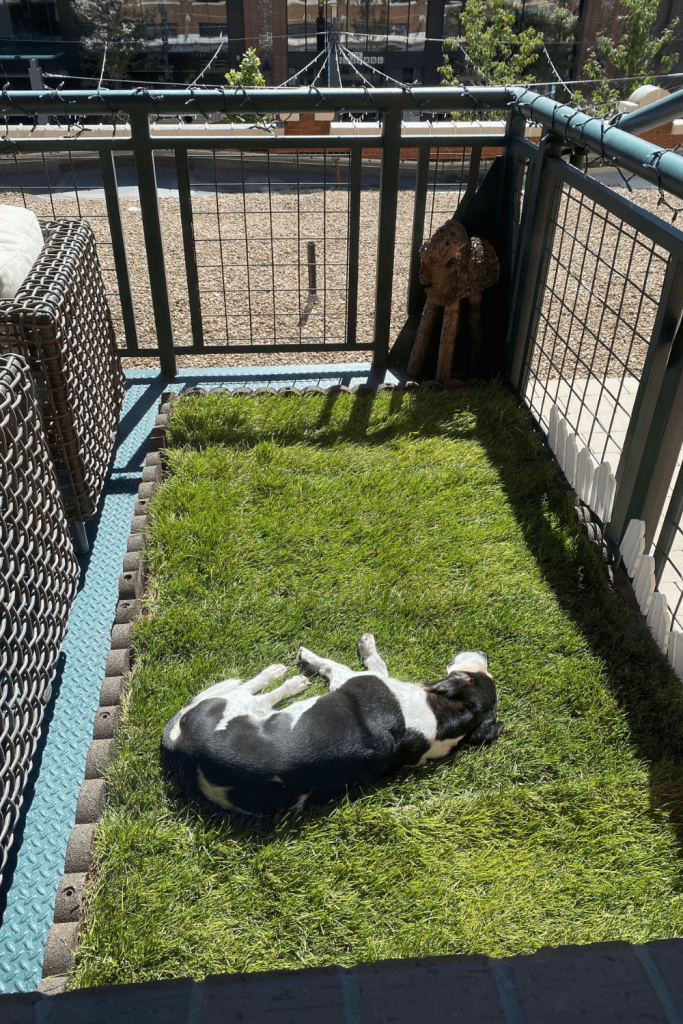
[{"x": 433, "y": 521}]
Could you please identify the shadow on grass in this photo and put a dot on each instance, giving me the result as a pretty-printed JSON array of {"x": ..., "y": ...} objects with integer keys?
[{"x": 636, "y": 672}]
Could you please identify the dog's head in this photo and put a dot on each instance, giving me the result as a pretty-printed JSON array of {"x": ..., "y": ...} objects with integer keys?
[{"x": 472, "y": 692}]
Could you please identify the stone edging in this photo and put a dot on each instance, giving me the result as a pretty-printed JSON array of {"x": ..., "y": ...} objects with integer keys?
[
  {"x": 333, "y": 389},
  {"x": 62, "y": 938}
]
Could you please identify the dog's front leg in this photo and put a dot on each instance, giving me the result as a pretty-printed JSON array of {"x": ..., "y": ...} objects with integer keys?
[
  {"x": 263, "y": 678},
  {"x": 335, "y": 673},
  {"x": 297, "y": 684}
]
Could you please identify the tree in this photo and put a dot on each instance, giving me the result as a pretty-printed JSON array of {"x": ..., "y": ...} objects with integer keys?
[
  {"x": 634, "y": 55},
  {"x": 494, "y": 51},
  {"x": 248, "y": 74},
  {"x": 559, "y": 25},
  {"x": 112, "y": 26}
]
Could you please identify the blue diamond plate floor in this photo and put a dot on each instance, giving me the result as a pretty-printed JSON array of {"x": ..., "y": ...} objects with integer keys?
[{"x": 37, "y": 858}]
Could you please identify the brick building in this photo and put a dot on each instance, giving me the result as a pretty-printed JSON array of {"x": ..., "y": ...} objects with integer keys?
[{"x": 402, "y": 38}]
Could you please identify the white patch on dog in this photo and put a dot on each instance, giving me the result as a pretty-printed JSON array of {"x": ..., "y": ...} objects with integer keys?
[
  {"x": 469, "y": 661},
  {"x": 276, "y": 778},
  {"x": 217, "y": 794},
  {"x": 416, "y": 712},
  {"x": 299, "y": 805},
  {"x": 175, "y": 731},
  {"x": 440, "y": 748}
]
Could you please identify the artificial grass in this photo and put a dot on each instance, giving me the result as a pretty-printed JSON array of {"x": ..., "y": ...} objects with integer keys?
[{"x": 433, "y": 521}]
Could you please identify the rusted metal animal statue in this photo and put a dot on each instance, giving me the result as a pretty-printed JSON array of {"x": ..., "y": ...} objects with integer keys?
[{"x": 453, "y": 267}]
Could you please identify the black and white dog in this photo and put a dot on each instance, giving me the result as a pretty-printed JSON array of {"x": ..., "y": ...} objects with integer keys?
[{"x": 245, "y": 756}]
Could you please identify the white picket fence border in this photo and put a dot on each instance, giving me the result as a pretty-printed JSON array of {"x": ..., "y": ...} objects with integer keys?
[
  {"x": 641, "y": 568},
  {"x": 594, "y": 484}
]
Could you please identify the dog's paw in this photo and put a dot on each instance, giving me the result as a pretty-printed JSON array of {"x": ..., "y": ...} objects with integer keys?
[
  {"x": 366, "y": 646},
  {"x": 307, "y": 660},
  {"x": 297, "y": 684},
  {"x": 275, "y": 671}
]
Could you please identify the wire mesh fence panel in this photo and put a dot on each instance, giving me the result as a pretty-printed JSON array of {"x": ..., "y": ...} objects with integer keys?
[
  {"x": 244, "y": 229},
  {"x": 596, "y": 312},
  {"x": 64, "y": 183},
  {"x": 671, "y": 578},
  {"x": 38, "y": 579},
  {"x": 256, "y": 217}
]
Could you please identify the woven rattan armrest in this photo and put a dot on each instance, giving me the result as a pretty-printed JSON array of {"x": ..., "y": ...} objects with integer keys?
[{"x": 61, "y": 322}]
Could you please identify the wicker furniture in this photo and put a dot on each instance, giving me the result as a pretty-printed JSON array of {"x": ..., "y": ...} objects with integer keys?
[
  {"x": 38, "y": 579},
  {"x": 60, "y": 321}
]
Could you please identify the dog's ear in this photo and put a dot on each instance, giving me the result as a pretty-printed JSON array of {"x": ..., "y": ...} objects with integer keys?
[
  {"x": 487, "y": 732},
  {"x": 453, "y": 686}
]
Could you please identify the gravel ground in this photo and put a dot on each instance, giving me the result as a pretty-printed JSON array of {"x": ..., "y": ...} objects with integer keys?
[
  {"x": 596, "y": 317},
  {"x": 272, "y": 268}
]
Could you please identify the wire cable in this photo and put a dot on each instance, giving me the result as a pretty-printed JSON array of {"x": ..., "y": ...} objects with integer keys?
[{"x": 300, "y": 72}]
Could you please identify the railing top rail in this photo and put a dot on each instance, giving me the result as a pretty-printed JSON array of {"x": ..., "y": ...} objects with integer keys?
[
  {"x": 659, "y": 166},
  {"x": 169, "y": 102},
  {"x": 653, "y": 115}
]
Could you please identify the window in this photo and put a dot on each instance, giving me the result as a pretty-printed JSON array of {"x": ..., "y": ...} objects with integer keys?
[
  {"x": 365, "y": 26},
  {"x": 211, "y": 31},
  {"x": 451, "y": 19},
  {"x": 157, "y": 31}
]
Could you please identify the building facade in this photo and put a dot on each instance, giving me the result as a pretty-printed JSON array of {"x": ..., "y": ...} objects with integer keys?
[{"x": 402, "y": 38}]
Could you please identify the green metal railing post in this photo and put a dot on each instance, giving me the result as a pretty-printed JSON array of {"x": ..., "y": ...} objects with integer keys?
[
  {"x": 388, "y": 204},
  {"x": 416, "y": 292},
  {"x": 537, "y": 230},
  {"x": 186, "y": 221},
  {"x": 653, "y": 115},
  {"x": 151, "y": 226},
  {"x": 508, "y": 254},
  {"x": 111, "y": 197},
  {"x": 355, "y": 181},
  {"x": 655, "y": 433}
]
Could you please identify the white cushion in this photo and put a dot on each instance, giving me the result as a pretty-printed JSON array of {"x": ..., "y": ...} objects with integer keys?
[{"x": 20, "y": 242}]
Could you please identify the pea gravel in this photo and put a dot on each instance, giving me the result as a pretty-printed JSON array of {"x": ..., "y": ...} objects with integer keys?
[{"x": 273, "y": 270}]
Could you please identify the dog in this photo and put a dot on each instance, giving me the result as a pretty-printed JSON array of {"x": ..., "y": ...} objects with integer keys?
[{"x": 243, "y": 755}]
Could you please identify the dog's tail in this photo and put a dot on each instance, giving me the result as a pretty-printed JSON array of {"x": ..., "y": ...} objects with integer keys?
[{"x": 171, "y": 735}]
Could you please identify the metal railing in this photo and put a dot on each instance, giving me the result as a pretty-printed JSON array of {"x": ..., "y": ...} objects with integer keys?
[
  {"x": 222, "y": 268},
  {"x": 595, "y": 336},
  {"x": 593, "y": 282}
]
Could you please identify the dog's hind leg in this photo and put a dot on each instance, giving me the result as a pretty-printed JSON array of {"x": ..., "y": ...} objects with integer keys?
[
  {"x": 263, "y": 678},
  {"x": 335, "y": 673},
  {"x": 368, "y": 652},
  {"x": 297, "y": 684},
  {"x": 217, "y": 690}
]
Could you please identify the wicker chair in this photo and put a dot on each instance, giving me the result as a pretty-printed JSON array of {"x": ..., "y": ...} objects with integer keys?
[
  {"x": 60, "y": 321},
  {"x": 38, "y": 581}
]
